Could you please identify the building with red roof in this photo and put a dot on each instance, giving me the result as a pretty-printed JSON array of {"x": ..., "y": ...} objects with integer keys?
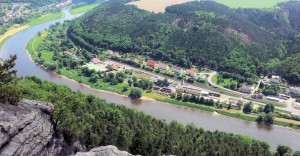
[
  {"x": 68, "y": 52},
  {"x": 151, "y": 63},
  {"x": 190, "y": 72},
  {"x": 163, "y": 66},
  {"x": 177, "y": 69},
  {"x": 115, "y": 67},
  {"x": 95, "y": 60}
]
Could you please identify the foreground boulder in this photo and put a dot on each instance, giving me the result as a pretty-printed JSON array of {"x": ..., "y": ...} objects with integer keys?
[
  {"x": 27, "y": 129},
  {"x": 104, "y": 151}
]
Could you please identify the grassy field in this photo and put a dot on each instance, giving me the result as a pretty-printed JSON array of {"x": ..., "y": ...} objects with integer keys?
[
  {"x": 33, "y": 45},
  {"x": 215, "y": 79},
  {"x": 83, "y": 9},
  {"x": 46, "y": 18},
  {"x": 250, "y": 3}
]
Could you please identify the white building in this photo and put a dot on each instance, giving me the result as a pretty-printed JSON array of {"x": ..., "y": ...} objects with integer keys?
[
  {"x": 276, "y": 79},
  {"x": 295, "y": 90}
]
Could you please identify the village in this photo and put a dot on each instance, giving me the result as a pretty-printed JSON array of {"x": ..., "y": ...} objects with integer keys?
[
  {"x": 169, "y": 79},
  {"x": 12, "y": 11}
]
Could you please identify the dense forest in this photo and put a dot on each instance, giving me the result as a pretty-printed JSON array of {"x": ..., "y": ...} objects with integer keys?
[{"x": 205, "y": 34}]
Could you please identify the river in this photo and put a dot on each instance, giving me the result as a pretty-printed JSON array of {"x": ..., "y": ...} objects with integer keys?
[{"x": 274, "y": 135}]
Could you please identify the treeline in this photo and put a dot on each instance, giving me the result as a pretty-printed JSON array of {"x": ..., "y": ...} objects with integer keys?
[
  {"x": 96, "y": 123},
  {"x": 205, "y": 34}
]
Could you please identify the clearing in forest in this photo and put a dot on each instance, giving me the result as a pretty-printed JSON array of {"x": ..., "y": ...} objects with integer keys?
[{"x": 157, "y": 6}]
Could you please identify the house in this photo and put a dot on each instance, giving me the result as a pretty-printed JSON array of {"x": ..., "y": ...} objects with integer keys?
[
  {"x": 116, "y": 54},
  {"x": 276, "y": 79},
  {"x": 204, "y": 93},
  {"x": 190, "y": 72},
  {"x": 68, "y": 53},
  {"x": 239, "y": 102},
  {"x": 177, "y": 69},
  {"x": 141, "y": 61},
  {"x": 246, "y": 89},
  {"x": 294, "y": 90},
  {"x": 188, "y": 89},
  {"x": 260, "y": 96},
  {"x": 95, "y": 60},
  {"x": 115, "y": 67},
  {"x": 151, "y": 63},
  {"x": 273, "y": 99},
  {"x": 110, "y": 52},
  {"x": 163, "y": 66}
]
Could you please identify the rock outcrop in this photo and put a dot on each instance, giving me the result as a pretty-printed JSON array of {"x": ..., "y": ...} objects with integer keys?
[
  {"x": 27, "y": 129},
  {"x": 104, "y": 151}
]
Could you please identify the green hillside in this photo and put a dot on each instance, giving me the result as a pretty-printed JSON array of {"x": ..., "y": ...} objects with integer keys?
[{"x": 205, "y": 34}]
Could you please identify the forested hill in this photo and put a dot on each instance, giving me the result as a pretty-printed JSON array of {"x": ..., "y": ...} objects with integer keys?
[{"x": 205, "y": 34}]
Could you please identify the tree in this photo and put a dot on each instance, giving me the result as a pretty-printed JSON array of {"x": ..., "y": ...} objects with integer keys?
[
  {"x": 129, "y": 82},
  {"x": 248, "y": 107},
  {"x": 261, "y": 117},
  {"x": 269, "y": 108},
  {"x": 269, "y": 119},
  {"x": 135, "y": 93},
  {"x": 229, "y": 106},
  {"x": 282, "y": 149},
  {"x": 9, "y": 91}
]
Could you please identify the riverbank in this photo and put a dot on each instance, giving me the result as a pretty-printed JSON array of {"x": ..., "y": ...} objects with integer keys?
[{"x": 18, "y": 28}]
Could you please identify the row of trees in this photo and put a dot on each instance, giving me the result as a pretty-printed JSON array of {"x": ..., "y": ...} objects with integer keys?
[{"x": 265, "y": 113}]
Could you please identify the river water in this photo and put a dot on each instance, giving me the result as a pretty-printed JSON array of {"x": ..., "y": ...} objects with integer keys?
[{"x": 274, "y": 135}]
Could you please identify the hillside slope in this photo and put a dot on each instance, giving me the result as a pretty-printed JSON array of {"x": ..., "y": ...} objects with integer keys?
[{"x": 205, "y": 34}]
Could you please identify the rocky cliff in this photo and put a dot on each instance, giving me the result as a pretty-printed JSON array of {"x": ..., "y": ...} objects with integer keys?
[{"x": 27, "y": 129}]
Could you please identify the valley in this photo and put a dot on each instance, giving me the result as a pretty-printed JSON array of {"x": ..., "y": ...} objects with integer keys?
[{"x": 179, "y": 80}]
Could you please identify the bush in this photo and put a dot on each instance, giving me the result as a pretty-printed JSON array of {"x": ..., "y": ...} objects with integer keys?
[
  {"x": 248, "y": 107},
  {"x": 135, "y": 93}
]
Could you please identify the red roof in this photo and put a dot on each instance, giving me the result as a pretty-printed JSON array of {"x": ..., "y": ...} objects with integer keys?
[
  {"x": 115, "y": 67},
  {"x": 95, "y": 60},
  {"x": 68, "y": 52},
  {"x": 190, "y": 71},
  {"x": 151, "y": 63},
  {"x": 176, "y": 68},
  {"x": 162, "y": 65}
]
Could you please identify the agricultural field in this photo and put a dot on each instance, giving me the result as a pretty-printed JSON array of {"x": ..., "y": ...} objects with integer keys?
[
  {"x": 32, "y": 47},
  {"x": 157, "y": 6},
  {"x": 250, "y": 3},
  {"x": 46, "y": 18},
  {"x": 83, "y": 9}
]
